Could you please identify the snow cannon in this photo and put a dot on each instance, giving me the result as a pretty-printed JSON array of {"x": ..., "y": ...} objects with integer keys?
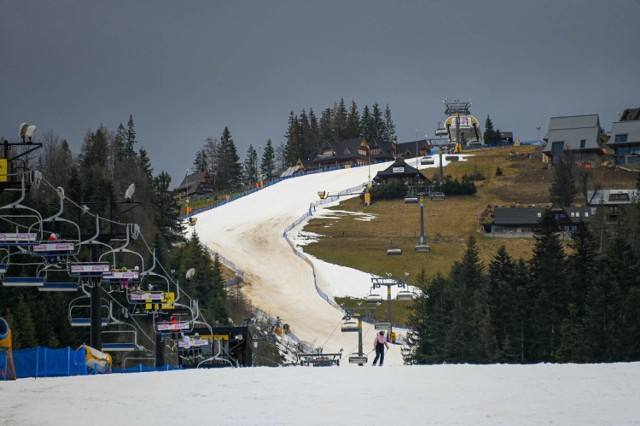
[
  {"x": 5, "y": 334},
  {"x": 97, "y": 361}
]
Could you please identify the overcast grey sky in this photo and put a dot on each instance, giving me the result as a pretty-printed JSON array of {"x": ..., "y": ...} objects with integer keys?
[{"x": 186, "y": 69}]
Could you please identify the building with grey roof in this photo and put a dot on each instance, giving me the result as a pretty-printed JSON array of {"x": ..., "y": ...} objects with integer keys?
[
  {"x": 578, "y": 135},
  {"x": 625, "y": 138}
]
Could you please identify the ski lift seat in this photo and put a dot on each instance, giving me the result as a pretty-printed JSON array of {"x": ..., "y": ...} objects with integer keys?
[
  {"x": 23, "y": 281},
  {"x": 374, "y": 298},
  {"x": 59, "y": 286},
  {"x": 427, "y": 161},
  {"x": 411, "y": 199},
  {"x": 404, "y": 295},
  {"x": 358, "y": 359},
  {"x": 382, "y": 325},
  {"x": 118, "y": 347},
  {"x": 86, "y": 322},
  {"x": 349, "y": 325},
  {"x": 394, "y": 251},
  {"x": 18, "y": 239}
]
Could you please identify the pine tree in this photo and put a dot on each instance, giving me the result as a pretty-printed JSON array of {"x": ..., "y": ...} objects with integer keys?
[
  {"x": 168, "y": 222},
  {"x": 340, "y": 120},
  {"x": 353, "y": 122},
  {"x": 267, "y": 164},
  {"x": 503, "y": 304},
  {"x": 24, "y": 331},
  {"x": 378, "y": 125},
  {"x": 250, "y": 167},
  {"x": 229, "y": 169},
  {"x": 200, "y": 163},
  {"x": 551, "y": 298},
  {"x": 326, "y": 127},
  {"x": 490, "y": 135},
  {"x": 129, "y": 146},
  {"x": 293, "y": 147},
  {"x": 563, "y": 188},
  {"x": 389, "y": 125}
]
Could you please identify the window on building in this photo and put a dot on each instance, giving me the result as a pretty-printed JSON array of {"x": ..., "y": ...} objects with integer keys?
[
  {"x": 557, "y": 147},
  {"x": 583, "y": 143},
  {"x": 621, "y": 137}
]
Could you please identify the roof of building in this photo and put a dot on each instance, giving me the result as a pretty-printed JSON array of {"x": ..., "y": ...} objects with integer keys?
[
  {"x": 531, "y": 215},
  {"x": 611, "y": 196},
  {"x": 573, "y": 130},
  {"x": 191, "y": 182},
  {"x": 630, "y": 114},
  {"x": 399, "y": 169}
]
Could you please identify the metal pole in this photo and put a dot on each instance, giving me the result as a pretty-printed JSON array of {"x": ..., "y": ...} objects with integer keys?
[
  {"x": 422, "y": 239},
  {"x": 389, "y": 310},
  {"x": 96, "y": 315},
  {"x": 159, "y": 351}
]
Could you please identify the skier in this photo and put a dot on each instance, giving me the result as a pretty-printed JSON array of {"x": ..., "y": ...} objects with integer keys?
[{"x": 379, "y": 344}]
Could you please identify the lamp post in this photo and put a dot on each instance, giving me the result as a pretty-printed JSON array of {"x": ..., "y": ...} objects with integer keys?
[
  {"x": 422, "y": 246},
  {"x": 416, "y": 153},
  {"x": 538, "y": 129}
]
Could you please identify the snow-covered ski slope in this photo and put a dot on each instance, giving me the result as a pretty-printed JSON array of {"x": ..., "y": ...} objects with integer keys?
[{"x": 249, "y": 233}]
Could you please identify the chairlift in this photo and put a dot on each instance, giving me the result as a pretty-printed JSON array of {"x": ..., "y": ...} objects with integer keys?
[
  {"x": 381, "y": 325},
  {"x": 404, "y": 295},
  {"x": 426, "y": 161},
  {"x": 358, "y": 359},
  {"x": 411, "y": 197},
  {"x": 349, "y": 324},
  {"x": 374, "y": 298},
  {"x": 394, "y": 250}
]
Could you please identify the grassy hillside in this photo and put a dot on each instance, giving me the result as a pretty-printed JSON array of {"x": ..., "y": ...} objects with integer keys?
[{"x": 348, "y": 240}]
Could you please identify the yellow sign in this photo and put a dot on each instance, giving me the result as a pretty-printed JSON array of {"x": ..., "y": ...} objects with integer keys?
[{"x": 3, "y": 170}]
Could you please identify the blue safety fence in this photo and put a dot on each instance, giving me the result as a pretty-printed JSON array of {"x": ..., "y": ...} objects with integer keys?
[
  {"x": 140, "y": 368},
  {"x": 45, "y": 362}
]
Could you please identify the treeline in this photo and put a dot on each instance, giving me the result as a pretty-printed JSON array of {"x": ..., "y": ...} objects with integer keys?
[
  {"x": 575, "y": 305},
  {"x": 108, "y": 163},
  {"x": 305, "y": 135}
]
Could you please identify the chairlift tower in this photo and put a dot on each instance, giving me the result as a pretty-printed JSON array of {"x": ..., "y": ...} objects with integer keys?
[
  {"x": 359, "y": 358},
  {"x": 422, "y": 246},
  {"x": 389, "y": 281}
]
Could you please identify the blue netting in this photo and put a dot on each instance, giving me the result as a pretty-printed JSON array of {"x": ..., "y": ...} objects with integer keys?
[
  {"x": 45, "y": 362},
  {"x": 143, "y": 369},
  {"x": 2, "y": 361}
]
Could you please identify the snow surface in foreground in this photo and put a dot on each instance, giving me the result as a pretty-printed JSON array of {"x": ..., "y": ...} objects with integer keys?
[{"x": 570, "y": 394}]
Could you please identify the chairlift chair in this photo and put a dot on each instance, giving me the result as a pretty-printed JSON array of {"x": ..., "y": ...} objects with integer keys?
[
  {"x": 381, "y": 325},
  {"x": 404, "y": 295},
  {"x": 358, "y": 359},
  {"x": 349, "y": 324},
  {"x": 374, "y": 298},
  {"x": 426, "y": 161}
]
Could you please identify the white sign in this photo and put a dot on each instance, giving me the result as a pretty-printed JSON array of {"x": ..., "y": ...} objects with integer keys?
[
  {"x": 12, "y": 236},
  {"x": 121, "y": 275},
  {"x": 147, "y": 296},
  {"x": 398, "y": 170},
  {"x": 89, "y": 267},
  {"x": 53, "y": 247},
  {"x": 165, "y": 326}
]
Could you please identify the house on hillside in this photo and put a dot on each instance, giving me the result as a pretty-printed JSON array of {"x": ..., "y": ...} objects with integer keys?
[
  {"x": 198, "y": 183},
  {"x": 625, "y": 138},
  {"x": 611, "y": 201},
  {"x": 399, "y": 171},
  {"x": 412, "y": 149},
  {"x": 578, "y": 135},
  {"x": 354, "y": 151},
  {"x": 522, "y": 221},
  {"x": 299, "y": 167}
]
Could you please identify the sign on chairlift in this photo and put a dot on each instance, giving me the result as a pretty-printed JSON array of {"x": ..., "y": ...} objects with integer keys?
[
  {"x": 89, "y": 268},
  {"x": 53, "y": 247},
  {"x": 18, "y": 237},
  {"x": 121, "y": 275},
  {"x": 176, "y": 326},
  {"x": 147, "y": 295},
  {"x": 193, "y": 343}
]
